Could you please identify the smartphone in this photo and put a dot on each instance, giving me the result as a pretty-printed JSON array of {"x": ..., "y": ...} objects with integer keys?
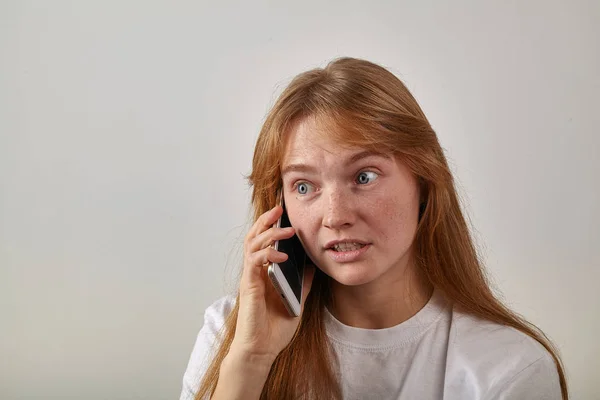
[{"x": 287, "y": 276}]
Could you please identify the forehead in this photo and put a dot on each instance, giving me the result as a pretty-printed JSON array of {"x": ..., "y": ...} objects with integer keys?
[
  {"x": 308, "y": 139},
  {"x": 308, "y": 147}
]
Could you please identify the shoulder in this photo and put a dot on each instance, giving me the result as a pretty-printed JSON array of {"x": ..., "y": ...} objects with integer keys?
[
  {"x": 475, "y": 337},
  {"x": 216, "y": 313},
  {"x": 206, "y": 343},
  {"x": 499, "y": 361}
]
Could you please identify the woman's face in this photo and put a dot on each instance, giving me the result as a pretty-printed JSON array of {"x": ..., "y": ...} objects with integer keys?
[{"x": 355, "y": 212}]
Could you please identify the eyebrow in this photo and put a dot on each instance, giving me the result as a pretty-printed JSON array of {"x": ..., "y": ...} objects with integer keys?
[{"x": 351, "y": 160}]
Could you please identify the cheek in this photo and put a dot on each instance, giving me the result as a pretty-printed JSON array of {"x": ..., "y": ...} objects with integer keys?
[
  {"x": 307, "y": 225},
  {"x": 394, "y": 217},
  {"x": 300, "y": 217}
]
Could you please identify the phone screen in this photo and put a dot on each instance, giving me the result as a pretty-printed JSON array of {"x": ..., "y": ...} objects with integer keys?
[{"x": 293, "y": 267}]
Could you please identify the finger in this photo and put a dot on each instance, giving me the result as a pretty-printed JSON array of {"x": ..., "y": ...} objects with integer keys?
[
  {"x": 254, "y": 271},
  {"x": 268, "y": 237},
  {"x": 266, "y": 256},
  {"x": 265, "y": 221}
]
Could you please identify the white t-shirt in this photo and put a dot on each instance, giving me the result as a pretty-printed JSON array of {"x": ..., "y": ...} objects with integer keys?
[{"x": 439, "y": 353}]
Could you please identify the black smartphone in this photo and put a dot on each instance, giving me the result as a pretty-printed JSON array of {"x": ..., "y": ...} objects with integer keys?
[{"x": 287, "y": 276}]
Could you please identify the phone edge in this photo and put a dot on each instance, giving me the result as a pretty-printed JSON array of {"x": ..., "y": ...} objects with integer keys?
[{"x": 285, "y": 291}]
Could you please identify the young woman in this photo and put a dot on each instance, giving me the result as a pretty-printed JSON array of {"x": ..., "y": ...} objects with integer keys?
[{"x": 397, "y": 304}]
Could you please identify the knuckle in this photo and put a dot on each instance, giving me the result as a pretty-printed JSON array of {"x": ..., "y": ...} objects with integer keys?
[
  {"x": 263, "y": 218},
  {"x": 260, "y": 258},
  {"x": 266, "y": 254},
  {"x": 253, "y": 258}
]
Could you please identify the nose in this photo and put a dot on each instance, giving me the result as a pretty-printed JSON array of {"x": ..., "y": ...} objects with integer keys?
[{"x": 338, "y": 210}]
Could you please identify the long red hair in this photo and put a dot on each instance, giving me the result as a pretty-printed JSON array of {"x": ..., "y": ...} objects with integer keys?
[{"x": 366, "y": 105}]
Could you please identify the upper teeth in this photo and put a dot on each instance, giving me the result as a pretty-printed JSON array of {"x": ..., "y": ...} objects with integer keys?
[{"x": 347, "y": 246}]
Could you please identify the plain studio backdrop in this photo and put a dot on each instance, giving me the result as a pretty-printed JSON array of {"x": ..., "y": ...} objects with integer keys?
[{"x": 127, "y": 128}]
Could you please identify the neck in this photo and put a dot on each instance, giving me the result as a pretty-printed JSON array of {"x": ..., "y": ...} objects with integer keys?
[{"x": 383, "y": 303}]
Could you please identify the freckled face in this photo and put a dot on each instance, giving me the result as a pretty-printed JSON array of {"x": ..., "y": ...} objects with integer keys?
[{"x": 368, "y": 201}]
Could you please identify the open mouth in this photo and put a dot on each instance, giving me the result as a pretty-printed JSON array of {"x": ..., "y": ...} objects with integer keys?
[
  {"x": 342, "y": 247},
  {"x": 346, "y": 252}
]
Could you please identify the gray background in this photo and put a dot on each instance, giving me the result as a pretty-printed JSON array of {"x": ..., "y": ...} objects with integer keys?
[{"x": 126, "y": 129}]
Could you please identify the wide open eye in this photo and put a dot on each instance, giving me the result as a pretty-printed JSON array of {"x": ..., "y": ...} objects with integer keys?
[
  {"x": 304, "y": 188},
  {"x": 366, "y": 177}
]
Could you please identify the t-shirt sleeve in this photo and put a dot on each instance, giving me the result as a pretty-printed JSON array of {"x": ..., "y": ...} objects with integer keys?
[
  {"x": 205, "y": 346},
  {"x": 538, "y": 381}
]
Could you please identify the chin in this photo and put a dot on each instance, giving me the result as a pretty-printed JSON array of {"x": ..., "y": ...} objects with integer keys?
[{"x": 351, "y": 276}]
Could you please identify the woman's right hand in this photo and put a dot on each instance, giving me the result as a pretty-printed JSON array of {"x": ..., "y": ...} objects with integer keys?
[{"x": 264, "y": 327}]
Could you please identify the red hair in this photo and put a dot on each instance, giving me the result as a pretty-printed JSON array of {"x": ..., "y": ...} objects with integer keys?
[{"x": 368, "y": 106}]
